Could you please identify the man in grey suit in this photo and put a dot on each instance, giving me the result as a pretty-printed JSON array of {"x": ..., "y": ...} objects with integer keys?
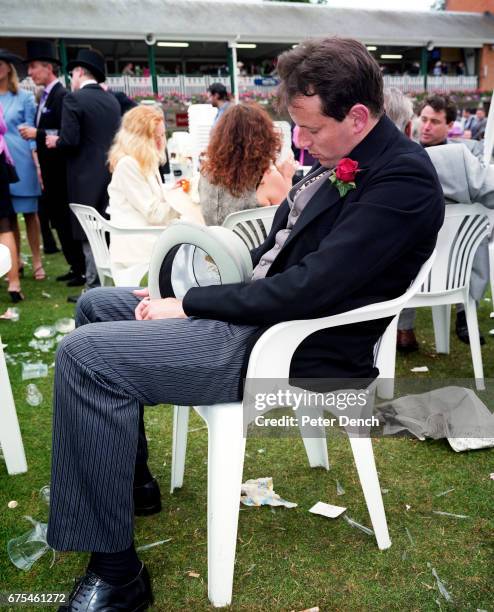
[{"x": 464, "y": 178}]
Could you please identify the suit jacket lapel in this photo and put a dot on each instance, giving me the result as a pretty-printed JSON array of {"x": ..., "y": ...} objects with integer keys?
[{"x": 367, "y": 153}]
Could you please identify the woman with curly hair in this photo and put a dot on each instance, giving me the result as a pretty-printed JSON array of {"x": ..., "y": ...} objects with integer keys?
[{"x": 239, "y": 171}]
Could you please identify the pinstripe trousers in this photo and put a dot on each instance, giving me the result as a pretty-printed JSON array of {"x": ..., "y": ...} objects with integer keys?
[{"x": 105, "y": 370}]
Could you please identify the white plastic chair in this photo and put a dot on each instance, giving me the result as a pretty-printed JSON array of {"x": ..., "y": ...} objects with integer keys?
[
  {"x": 270, "y": 359},
  {"x": 96, "y": 229},
  {"x": 465, "y": 226},
  {"x": 10, "y": 433},
  {"x": 253, "y": 225},
  {"x": 489, "y": 212}
]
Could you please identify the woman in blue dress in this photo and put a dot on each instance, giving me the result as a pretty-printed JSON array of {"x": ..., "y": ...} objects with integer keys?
[{"x": 19, "y": 108}]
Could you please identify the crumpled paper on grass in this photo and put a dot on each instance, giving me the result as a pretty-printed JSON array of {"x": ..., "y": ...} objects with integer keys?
[
  {"x": 260, "y": 492},
  {"x": 455, "y": 413}
]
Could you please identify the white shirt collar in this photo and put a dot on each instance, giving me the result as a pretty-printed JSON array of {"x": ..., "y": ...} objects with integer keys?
[{"x": 88, "y": 82}]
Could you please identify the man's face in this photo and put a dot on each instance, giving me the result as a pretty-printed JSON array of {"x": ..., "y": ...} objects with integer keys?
[
  {"x": 213, "y": 99},
  {"x": 480, "y": 114},
  {"x": 433, "y": 127},
  {"x": 326, "y": 139},
  {"x": 40, "y": 72}
]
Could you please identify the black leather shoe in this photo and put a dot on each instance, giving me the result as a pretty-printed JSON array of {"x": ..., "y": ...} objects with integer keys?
[
  {"x": 147, "y": 499},
  {"x": 72, "y": 299},
  {"x": 406, "y": 341},
  {"x": 92, "y": 594},
  {"x": 66, "y": 277},
  {"x": 76, "y": 281},
  {"x": 462, "y": 329}
]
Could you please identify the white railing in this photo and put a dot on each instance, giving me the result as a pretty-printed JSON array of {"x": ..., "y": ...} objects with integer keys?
[
  {"x": 193, "y": 85},
  {"x": 451, "y": 83}
]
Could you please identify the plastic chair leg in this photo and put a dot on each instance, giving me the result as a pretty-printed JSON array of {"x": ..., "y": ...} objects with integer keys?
[
  {"x": 491, "y": 268},
  {"x": 441, "y": 318},
  {"x": 316, "y": 447},
  {"x": 474, "y": 335},
  {"x": 179, "y": 446},
  {"x": 386, "y": 362},
  {"x": 226, "y": 451},
  {"x": 10, "y": 433},
  {"x": 366, "y": 468}
]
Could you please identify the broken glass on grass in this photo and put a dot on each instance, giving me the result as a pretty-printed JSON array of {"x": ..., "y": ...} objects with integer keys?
[{"x": 33, "y": 395}]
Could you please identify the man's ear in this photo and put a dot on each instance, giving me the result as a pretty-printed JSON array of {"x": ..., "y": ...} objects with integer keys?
[{"x": 359, "y": 116}]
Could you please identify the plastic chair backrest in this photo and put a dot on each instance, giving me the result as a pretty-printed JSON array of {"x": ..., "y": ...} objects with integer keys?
[
  {"x": 95, "y": 228},
  {"x": 465, "y": 226},
  {"x": 5, "y": 260},
  {"x": 252, "y": 226}
]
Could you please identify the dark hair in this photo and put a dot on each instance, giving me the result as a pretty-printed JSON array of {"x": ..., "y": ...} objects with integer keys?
[
  {"x": 339, "y": 70},
  {"x": 242, "y": 147},
  {"x": 220, "y": 89},
  {"x": 54, "y": 66},
  {"x": 441, "y": 103}
]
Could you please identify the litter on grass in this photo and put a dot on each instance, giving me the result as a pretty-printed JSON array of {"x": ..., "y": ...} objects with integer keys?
[
  {"x": 11, "y": 314},
  {"x": 460, "y": 516},
  {"x": 440, "y": 585},
  {"x": 420, "y": 369},
  {"x": 339, "y": 488},
  {"x": 34, "y": 370},
  {"x": 45, "y": 294},
  {"x": 327, "y": 510},
  {"x": 445, "y": 492},
  {"x": 451, "y": 412},
  {"x": 260, "y": 492},
  {"x": 25, "y": 550},
  {"x": 44, "y": 494},
  {"x": 412, "y": 542},
  {"x": 65, "y": 325},
  {"x": 45, "y": 346},
  {"x": 353, "y": 523},
  {"x": 44, "y": 331},
  {"x": 33, "y": 395},
  {"x": 148, "y": 546},
  {"x": 13, "y": 504}
]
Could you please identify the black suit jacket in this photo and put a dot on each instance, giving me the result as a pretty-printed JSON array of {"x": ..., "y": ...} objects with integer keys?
[
  {"x": 342, "y": 253},
  {"x": 52, "y": 161},
  {"x": 90, "y": 118}
]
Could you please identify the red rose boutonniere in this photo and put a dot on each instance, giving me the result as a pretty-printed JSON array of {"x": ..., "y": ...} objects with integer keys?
[{"x": 343, "y": 176}]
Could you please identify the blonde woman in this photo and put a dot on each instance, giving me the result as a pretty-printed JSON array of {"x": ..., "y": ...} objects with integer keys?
[
  {"x": 137, "y": 193},
  {"x": 19, "y": 109}
]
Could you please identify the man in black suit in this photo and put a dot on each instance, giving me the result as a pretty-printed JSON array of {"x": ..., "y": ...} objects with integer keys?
[
  {"x": 90, "y": 119},
  {"x": 335, "y": 244},
  {"x": 43, "y": 66}
]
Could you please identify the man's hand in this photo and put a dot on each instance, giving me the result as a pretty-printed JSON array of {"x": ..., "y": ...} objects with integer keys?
[
  {"x": 51, "y": 141},
  {"x": 148, "y": 309},
  {"x": 28, "y": 132}
]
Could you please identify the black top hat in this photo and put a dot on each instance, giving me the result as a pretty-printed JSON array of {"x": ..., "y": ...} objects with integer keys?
[
  {"x": 92, "y": 60},
  {"x": 15, "y": 60},
  {"x": 41, "y": 50}
]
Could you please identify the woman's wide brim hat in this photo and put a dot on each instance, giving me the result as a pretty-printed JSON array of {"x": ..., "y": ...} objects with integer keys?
[
  {"x": 41, "y": 51},
  {"x": 92, "y": 61},
  {"x": 15, "y": 60}
]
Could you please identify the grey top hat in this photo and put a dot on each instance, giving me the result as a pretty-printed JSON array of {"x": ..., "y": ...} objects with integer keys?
[
  {"x": 92, "y": 61},
  {"x": 43, "y": 51}
]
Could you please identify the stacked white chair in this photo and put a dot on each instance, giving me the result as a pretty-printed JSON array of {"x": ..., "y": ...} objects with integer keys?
[
  {"x": 201, "y": 120},
  {"x": 10, "y": 433},
  {"x": 97, "y": 229},
  {"x": 270, "y": 359}
]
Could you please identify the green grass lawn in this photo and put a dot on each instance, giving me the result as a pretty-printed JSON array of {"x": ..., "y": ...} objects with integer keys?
[{"x": 286, "y": 559}]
